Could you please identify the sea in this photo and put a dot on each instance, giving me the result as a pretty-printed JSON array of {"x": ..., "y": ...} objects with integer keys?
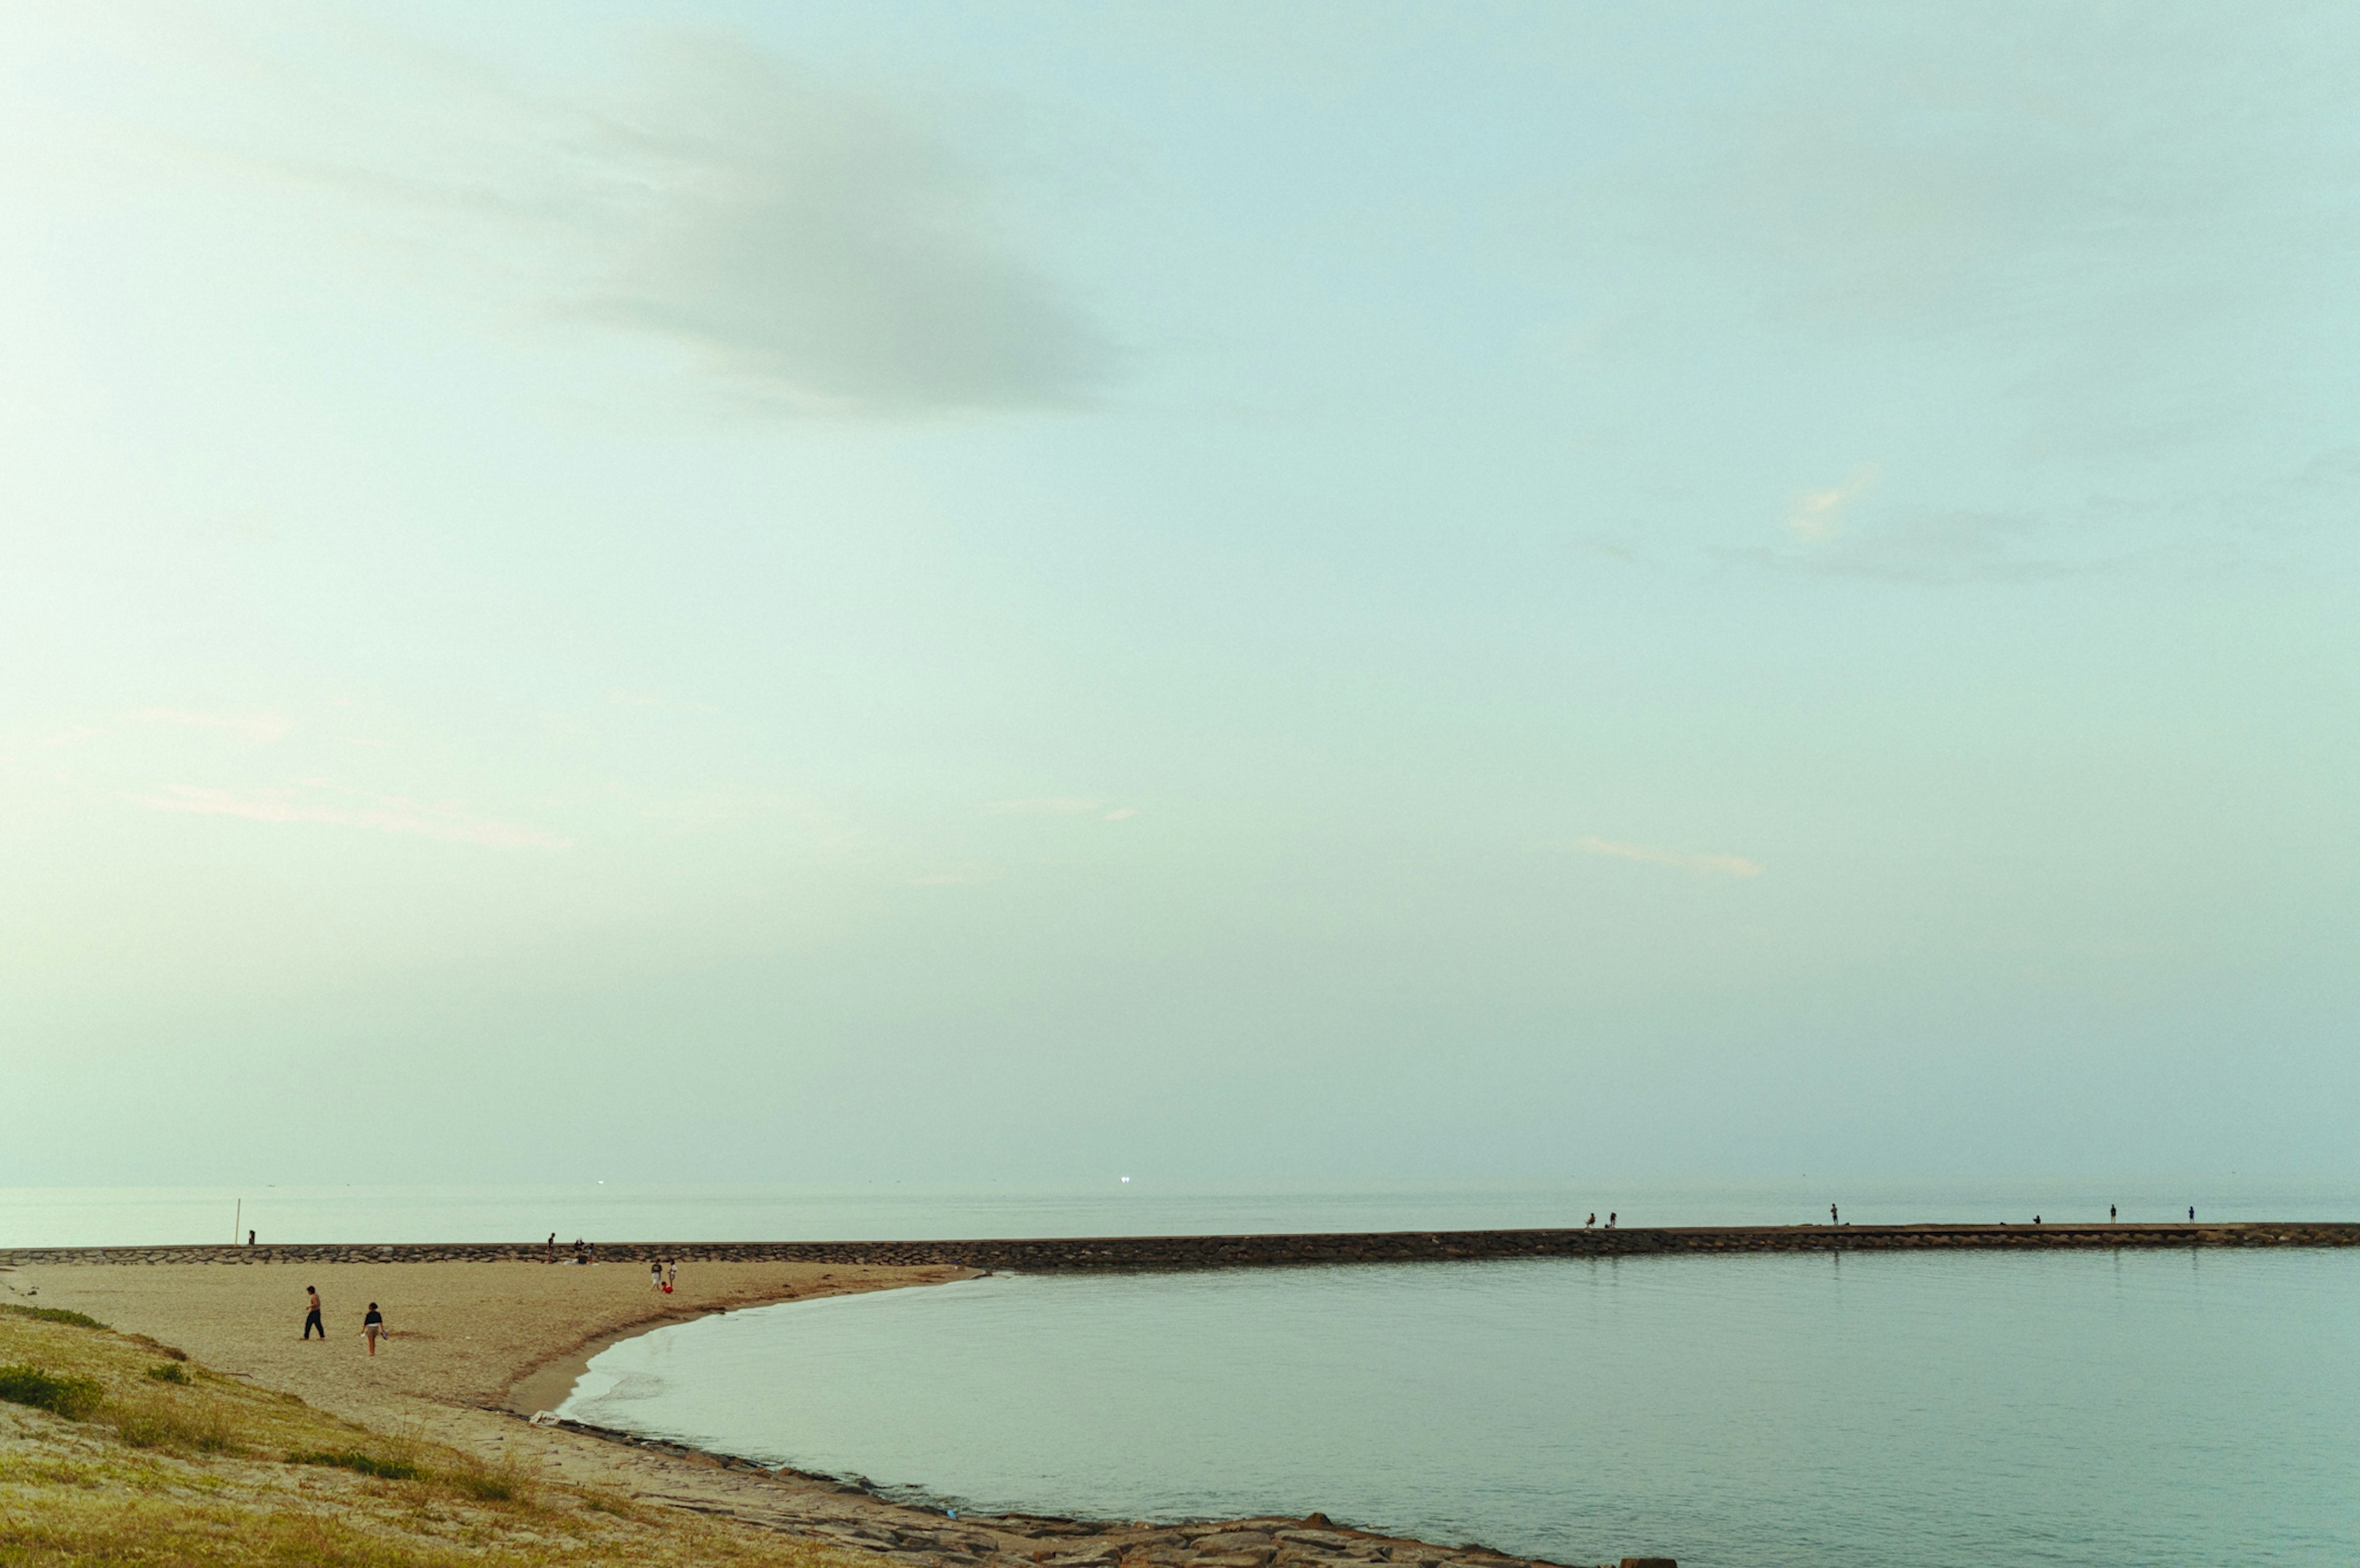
[{"x": 1901, "y": 1410}]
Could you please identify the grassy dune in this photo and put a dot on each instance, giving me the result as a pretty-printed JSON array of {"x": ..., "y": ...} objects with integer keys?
[{"x": 115, "y": 1449}]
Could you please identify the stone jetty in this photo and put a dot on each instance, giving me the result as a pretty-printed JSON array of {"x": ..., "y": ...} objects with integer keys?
[{"x": 1164, "y": 1253}]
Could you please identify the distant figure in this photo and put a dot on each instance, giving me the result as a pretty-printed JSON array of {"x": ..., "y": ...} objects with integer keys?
[
  {"x": 655, "y": 1274},
  {"x": 311, "y": 1318},
  {"x": 671, "y": 1272},
  {"x": 1590, "y": 1221},
  {"x": 249, "y": 1238},
  {"x": 2191, "y": 1216},
  {"x": 1831, "y": 1214},
  {"x": 550, "y": 1255},
  {"x": 581, "y": 1251},
  {"x": 1610, "y": 1222},
  {"x": 2109, "y": 1213},
  {"x": 2036, "y": 1219},
  {"x": 372, "y": 1327}
]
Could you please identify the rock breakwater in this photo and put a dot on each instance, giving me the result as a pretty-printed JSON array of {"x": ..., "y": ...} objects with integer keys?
[{"x": 1089, "y": 1254}]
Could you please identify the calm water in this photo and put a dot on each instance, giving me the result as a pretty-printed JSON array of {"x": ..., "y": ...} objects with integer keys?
[{"x": 1885, "y": 1411}]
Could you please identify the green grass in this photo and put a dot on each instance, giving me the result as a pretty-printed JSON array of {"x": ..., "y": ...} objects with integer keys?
[
  {"x": 108, "y": 1459},
  {"x": 361, "y": 1463},
  {"x": 73, "y": 1398},
  {"x": 52, "y": 1314}
]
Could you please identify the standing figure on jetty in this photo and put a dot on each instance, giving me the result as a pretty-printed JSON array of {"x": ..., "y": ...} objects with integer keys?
[{"x": 311, "y": 1318}]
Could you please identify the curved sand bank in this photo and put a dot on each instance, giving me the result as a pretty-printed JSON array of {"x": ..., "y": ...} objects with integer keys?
[{"x": 476, "y": 1341}]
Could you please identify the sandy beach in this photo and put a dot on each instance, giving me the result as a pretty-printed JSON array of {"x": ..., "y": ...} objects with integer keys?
[
  {"x": 477, "y": 1346},
  {"x": 474, "y": 1346}
]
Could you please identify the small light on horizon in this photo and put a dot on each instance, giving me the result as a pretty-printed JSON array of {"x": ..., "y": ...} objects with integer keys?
[{"x": 1126, "y": 1178}]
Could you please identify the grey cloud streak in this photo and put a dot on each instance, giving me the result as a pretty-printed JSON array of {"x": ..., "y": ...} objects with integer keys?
[
  {"x": 833, "y": 250},
  {"x": 825, "y": 247}
]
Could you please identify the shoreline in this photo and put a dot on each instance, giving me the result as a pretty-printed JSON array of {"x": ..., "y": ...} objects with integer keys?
[
  {"x": 471, "y": 1337},
  {"x": 486, "y": 1339},
  {"x": 550, "y": 1383}
]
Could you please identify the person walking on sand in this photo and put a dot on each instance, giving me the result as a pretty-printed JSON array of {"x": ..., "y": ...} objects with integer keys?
[
  {"x": 312, "y": 1317},
  {"x": 550, "y": 1255},
  {"x": 373, "y": 1328},
  {"x": 671, "y": 1273},
  {"x": 655, "y": 1273}
]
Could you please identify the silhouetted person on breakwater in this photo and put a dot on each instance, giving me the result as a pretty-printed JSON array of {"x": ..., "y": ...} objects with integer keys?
[
  {"x": 2109, "y": 1213},
  {"x": 1590, "y": 1221},
  {"x": 2191, "y": 1216},
  {"x": 1831, "y": 1214}
]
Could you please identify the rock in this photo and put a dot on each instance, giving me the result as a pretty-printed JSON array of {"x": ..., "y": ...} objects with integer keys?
[
  {"x": 1649, "y": 1562},
  {"x": 1254, "y": 1559},
  {"x": 1327, "y": 1537},
  {"x": 1232, "y": 1540},
  {"x": 1317, "y": 1520}
]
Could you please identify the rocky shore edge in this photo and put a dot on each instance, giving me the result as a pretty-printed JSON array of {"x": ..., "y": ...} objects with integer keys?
[
  {"x": 1162, "y": 1253},
  {"x": 847, "y": 1513}
]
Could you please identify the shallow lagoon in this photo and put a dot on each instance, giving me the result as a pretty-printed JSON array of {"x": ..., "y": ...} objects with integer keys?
[{"x": 1871, "y": 1410}]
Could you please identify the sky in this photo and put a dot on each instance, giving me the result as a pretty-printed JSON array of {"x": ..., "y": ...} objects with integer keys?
[{"x": 1337, "y": 592}]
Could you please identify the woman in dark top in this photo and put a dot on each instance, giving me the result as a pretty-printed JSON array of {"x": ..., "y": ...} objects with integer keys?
[{"x": 373, "y": 1325}]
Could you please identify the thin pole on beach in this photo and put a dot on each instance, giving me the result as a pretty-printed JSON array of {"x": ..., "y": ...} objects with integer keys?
[{"x": 237, "y": 1222}]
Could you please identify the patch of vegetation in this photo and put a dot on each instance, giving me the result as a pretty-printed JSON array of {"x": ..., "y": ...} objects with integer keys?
[
  {"x": 503, "y": 1483},
  {"x": 167, "y": 1472},
  {"x": 161, "y": 1422},
  {"x": 73, "y": 1398},
  {"x": 171, "y": 1372},
  {"x": 364, "y": 1464},
  {"x": 52, "y": 1314}
]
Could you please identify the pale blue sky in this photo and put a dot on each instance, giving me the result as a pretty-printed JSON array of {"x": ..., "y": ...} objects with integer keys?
[{"x": 1329, "y": 592}]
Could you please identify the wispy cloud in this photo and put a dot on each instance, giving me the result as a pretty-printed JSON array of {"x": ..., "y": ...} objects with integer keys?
[
  {"x": 382, "y": 813},
  {"x": 1046, "y": 806},
  {"x": 74, "y": 735},
  {"x": 1682, "y": 859},
  {"x": 261, "y": 728},
  {"x": 1816, "y": 516},
  {"x": 1930, "y": 548},
  {"x": 965, "y": 875},
  {"x": 828, "y": 243},
  {"x": 822, "y": 243}
]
